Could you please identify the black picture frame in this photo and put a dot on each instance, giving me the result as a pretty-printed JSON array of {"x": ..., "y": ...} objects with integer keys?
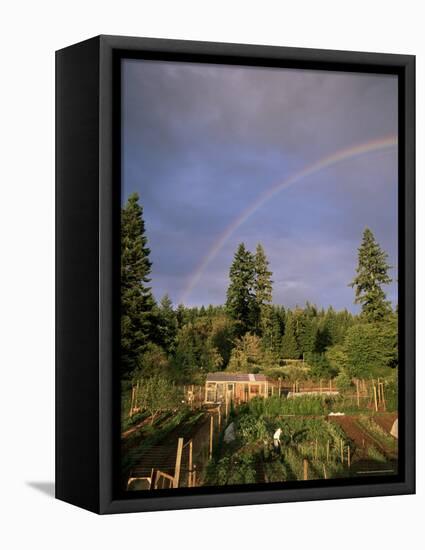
[{"x": 87, "y": 231}]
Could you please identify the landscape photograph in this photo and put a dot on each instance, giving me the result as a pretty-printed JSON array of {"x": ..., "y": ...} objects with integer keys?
[{"x": 258, "y": 283}]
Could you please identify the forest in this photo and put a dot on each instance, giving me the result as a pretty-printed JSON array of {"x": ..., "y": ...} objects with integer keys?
[{"x": 166, "y": 345}]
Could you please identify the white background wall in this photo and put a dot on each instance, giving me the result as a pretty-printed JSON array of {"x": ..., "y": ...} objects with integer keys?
[{"x": 30, "y": 31}]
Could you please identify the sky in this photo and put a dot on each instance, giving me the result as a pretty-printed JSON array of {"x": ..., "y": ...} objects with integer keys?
[{"x": 202, "y": 143}]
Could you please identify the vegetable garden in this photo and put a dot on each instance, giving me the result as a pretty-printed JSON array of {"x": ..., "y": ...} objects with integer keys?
[{"x": 312, "y": 445}]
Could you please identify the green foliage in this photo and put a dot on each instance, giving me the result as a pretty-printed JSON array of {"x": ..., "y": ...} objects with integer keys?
[
  {"x": 263, "y": 293},
  {"x": 157, "y": 394},
  {"x": 391, "y": 391},
  {"x": 202, "y": 346},
  {"x": 276, "y": 406},
  {"x": 252, "y": 428},
  {"x": 300, "y": 438},
  {"x": 154, "y": 361},
  {"x": 240, "y": 303},
  {"x": 371, "y": 348},
  {"x": 378, "y": 433},
  {"x": 290, "y": 349},
  {"x": 246, "y": 355},
  {"x": 343, "y": 381},
  {"x": 232, "y": 470},
  {"x": 372, "y": 273},
  {"x": 320, "y": 366},
  {"x": 306, "y": 328},
  {"x": 136, "y": 298},
  {"x": 376, "y": 455},
  {"x": 337, "y": 357},
  {"x": 166, "y": 324}
]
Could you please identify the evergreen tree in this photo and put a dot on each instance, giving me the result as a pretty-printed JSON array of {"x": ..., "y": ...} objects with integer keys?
[
  {"x": 306, "y": 331},
  {"x": 272, "y": 339},
  {"x": 181, "y": 315},
  {"x": 166, "y": 324},
  {"x": 263, "y": 292},
  {"x": 136, "y": 297},
  {"x": 240, "y": 303},
  {"x": 372, "y": 273},
  {"x": 290, "y": 349}
]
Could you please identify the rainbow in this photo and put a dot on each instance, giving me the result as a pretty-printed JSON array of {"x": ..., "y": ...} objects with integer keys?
[{"x": 335, "y": 158}]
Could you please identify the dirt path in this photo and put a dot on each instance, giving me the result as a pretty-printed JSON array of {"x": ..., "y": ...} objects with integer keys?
[
  {"x": 385, "y": 420},
  {"x": 363, "y": 464},
  {"x": 360, "y": 437}
]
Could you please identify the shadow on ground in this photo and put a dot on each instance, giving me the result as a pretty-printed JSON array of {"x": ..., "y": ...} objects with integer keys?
[{"x": 46, "y": 487}]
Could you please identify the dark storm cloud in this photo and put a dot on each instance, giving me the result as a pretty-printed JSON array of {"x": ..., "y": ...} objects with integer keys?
[{"x": 202, "y": 142}]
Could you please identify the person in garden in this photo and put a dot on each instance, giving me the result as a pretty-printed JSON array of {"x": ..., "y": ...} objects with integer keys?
[{"x": 276, "y": 440}]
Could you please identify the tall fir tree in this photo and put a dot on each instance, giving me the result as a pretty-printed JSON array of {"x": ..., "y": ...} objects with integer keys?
[
  {"x": 372, "y": 273},
  {"x": 290, "y": 349},
  {"x": 263, "y": 287},
  {"x": 240, "y": 303},
  {"x": 136, "y": 297}
]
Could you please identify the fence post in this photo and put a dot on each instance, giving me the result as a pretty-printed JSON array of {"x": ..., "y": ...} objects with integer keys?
[
  {"x": 348, "y": 456},
  {"x": 327, "y": 451},
  {"x": 178, "y": 463},
  {"x": 342, "y": 451},
  {"x": 374, "y": 397},
  {"x": 190, "y": 463},
  {"x": 132, "y": 401},
  {"x": 305, "y": 469},
  {"x": 211, "y": 435}
]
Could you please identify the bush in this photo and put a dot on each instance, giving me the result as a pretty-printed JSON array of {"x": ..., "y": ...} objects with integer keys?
[{"x": 343, "y": 381}]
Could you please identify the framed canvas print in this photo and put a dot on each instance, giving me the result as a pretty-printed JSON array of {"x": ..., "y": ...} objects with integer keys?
[{"x": 235, "y": 274}]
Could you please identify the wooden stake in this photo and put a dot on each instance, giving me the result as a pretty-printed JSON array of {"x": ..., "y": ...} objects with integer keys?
[
  {"x": 358, "y": 393},
  {"x": 324, "y": 472},
  {"x": 136, "y": 398},
  {"x": 178, "y": 463},
  {"x": 342, "y": 450},
  {"x": 315, "y": 450},
  {"x": 348, "y": 456},
  {"x": 305, "y": 469},
  {"x": 211, "y": 434},
  {"x": 383, "y": 398},
  {"x": 194, "y": 476},
  {"x": 190, "y": 463},
  {"x": 132, "y": 402},
  {"x": 327, "y": 451},
  {"x": 374, "y": 397}
]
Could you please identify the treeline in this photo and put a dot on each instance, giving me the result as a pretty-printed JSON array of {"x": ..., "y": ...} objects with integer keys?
[{"x": 249, "y": 333}]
